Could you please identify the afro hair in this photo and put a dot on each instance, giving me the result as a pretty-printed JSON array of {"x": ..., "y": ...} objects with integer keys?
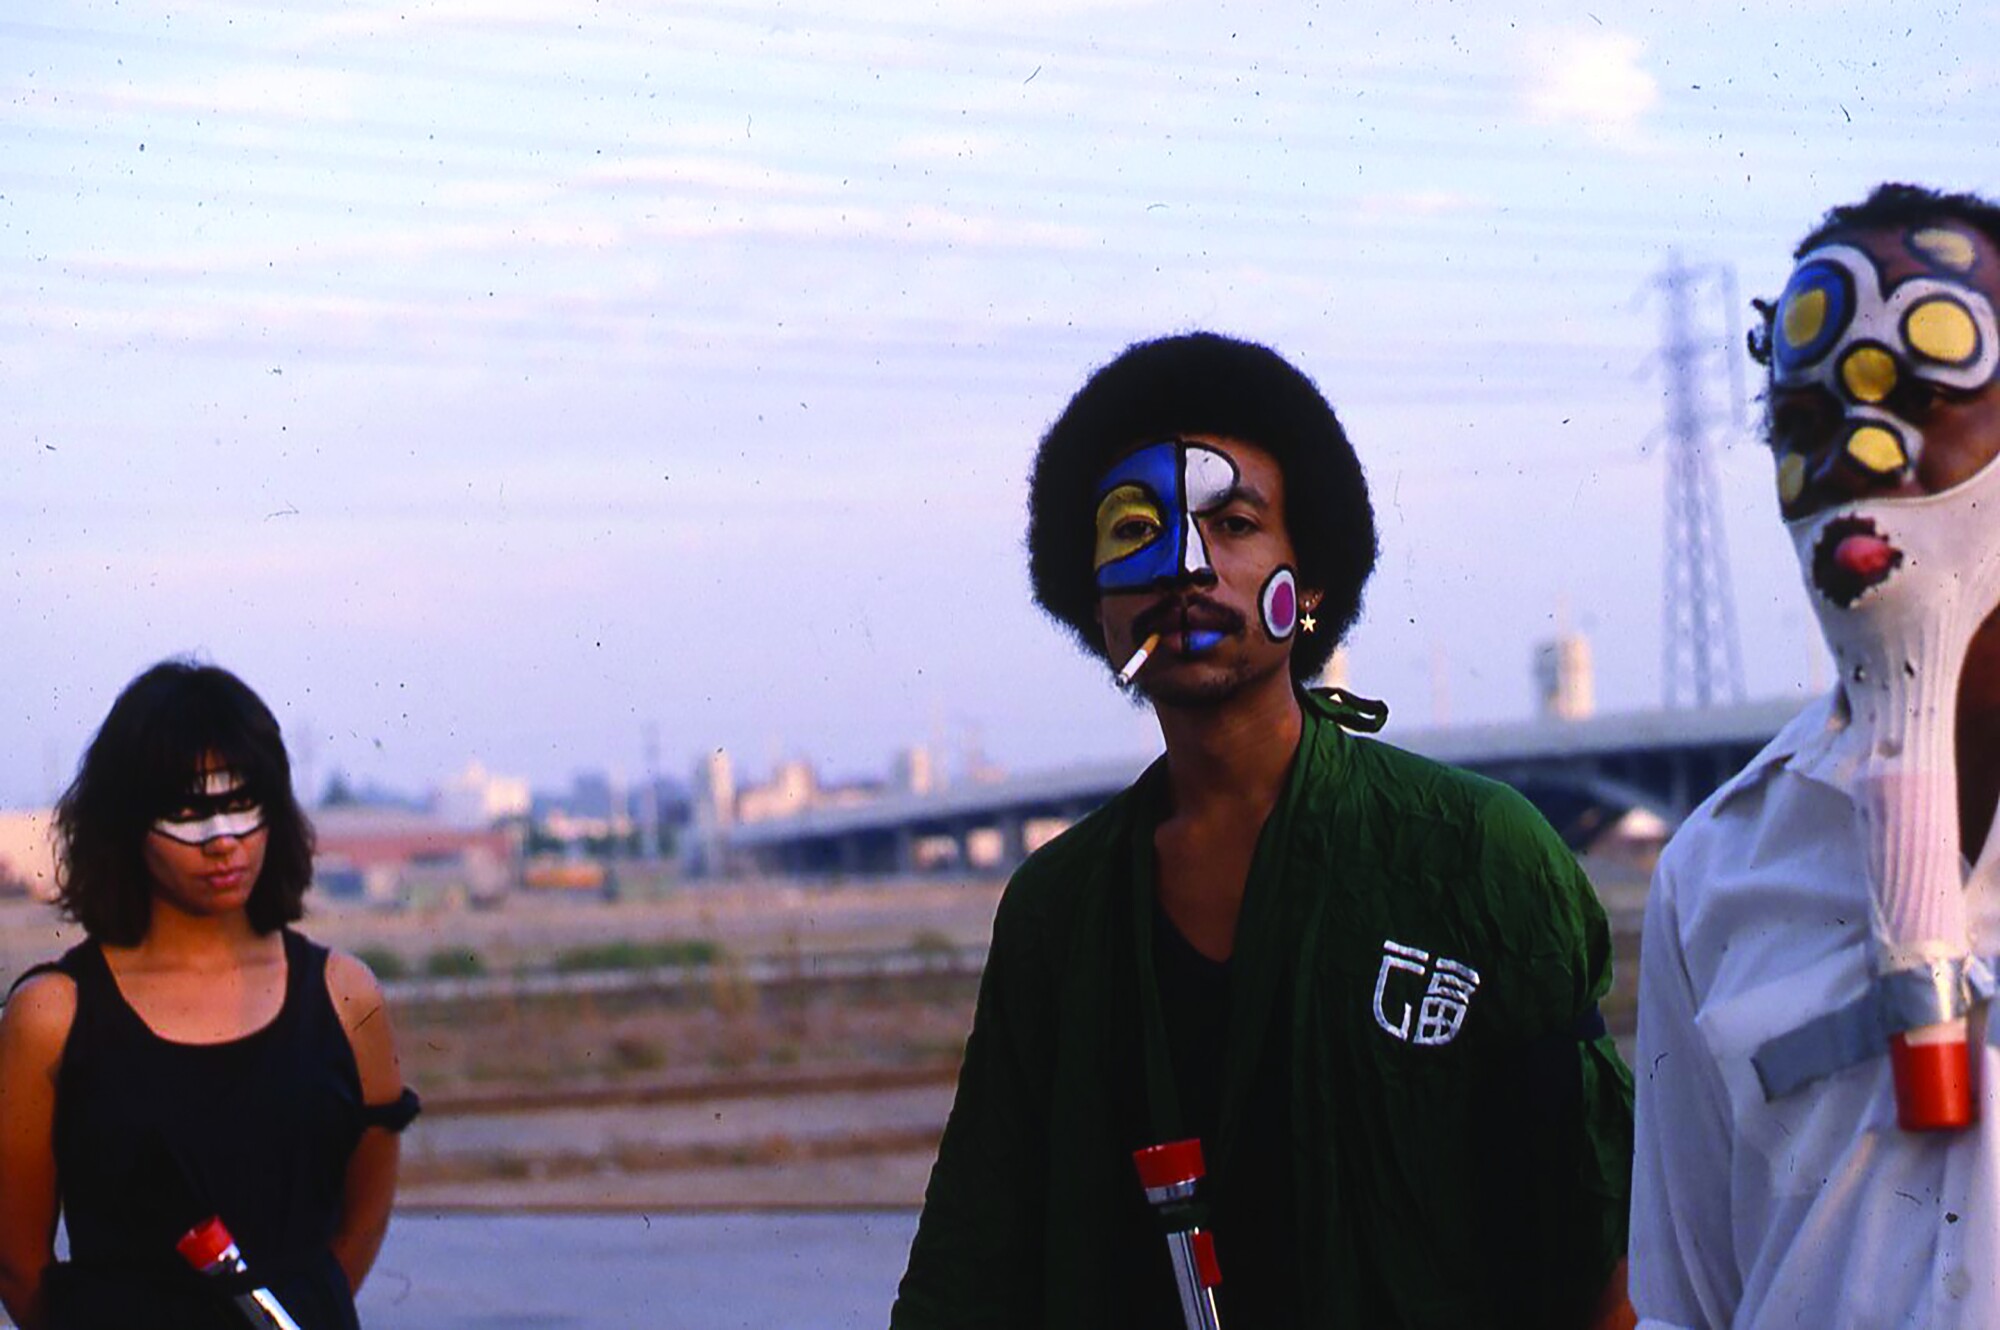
[{"x": 1203, "y": 383}]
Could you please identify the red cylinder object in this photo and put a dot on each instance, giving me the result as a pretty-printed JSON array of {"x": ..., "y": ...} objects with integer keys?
[
  {"x": 1933, "y": 1084},
  {"x": 1169, "y": 1165},
  {"x": 206, "y": 1243},
  {"x": 1206, "y": 1268}
]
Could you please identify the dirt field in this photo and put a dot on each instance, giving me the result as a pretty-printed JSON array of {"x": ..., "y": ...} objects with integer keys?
[{"x": 718, "y": 1093}]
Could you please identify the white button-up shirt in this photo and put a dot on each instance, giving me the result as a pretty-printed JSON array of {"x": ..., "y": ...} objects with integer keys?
[{"x": 1815, "y": 1210}]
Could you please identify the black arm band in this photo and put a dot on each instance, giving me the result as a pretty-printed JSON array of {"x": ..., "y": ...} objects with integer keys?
[{"x": 395, "y": 1115}]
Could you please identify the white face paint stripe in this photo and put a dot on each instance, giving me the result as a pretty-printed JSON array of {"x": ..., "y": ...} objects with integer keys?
[
  {"x": 1194, "y": 552},
  {"x": 1209, "y": 476},
  {"x": 238, "y": 824},
  {"x": 215, "y": 785}
]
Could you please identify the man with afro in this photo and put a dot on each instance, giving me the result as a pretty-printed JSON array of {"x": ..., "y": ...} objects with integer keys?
[{"x": 1366, "y": 983}]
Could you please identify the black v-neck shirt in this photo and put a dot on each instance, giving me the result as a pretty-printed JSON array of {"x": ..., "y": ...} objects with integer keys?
[{"x": 1252, "y": 1207}]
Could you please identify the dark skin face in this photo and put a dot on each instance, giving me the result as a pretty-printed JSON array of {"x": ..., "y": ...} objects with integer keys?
[
  {"x": 1247, "y": 538},
  {"x": 1227, "y": 712},
  {"x": 1961, "y": 435}
]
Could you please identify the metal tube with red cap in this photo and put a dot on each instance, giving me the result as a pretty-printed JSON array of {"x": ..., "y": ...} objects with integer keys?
[
  {"x": 1169, "y": 1173},
  {"x": 212, "y": 1252}
]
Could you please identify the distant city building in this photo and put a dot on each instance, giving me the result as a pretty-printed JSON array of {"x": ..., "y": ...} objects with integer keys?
[
  {"x": 593, "y": 794},
  {"x": 916, "y": 770},
  {"x": 790, "y": 790},
  {"x": 27, "y": 854},
  {"x": 704, "y": 852},
  {"x": 476, "y": 797},
  {"x": 340, "y": 792},
  {"x": 392, "y": 858},
  {"x": 718, "y": 803},
  {"x": 594, "y": 812},
  {"x": 1565, "y": 685}
]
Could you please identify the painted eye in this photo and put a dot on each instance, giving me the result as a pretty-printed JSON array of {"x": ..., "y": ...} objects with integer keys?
[
  {"x": 1128, "y": 519},
  {"x": 1136, "y": 529},
  {"x": 1800, "y": 422},
  {"x": 1914, "y": 398}
]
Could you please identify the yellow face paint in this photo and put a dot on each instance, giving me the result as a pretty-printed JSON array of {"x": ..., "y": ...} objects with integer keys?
[
  {"x": 1877, "y": 449},
  {"x": 1801, "y": 318},
  {"x": 1941, "y": 329},
  {"x": 1791, "y": 478},
  {"x": 1869, "y": 373},
  {"x": 1127, "y": 520},
  {"x": 1946, "y": 248}
]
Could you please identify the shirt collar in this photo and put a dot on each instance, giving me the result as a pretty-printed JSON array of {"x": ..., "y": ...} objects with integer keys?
[{"x": 1810, "y": 745}]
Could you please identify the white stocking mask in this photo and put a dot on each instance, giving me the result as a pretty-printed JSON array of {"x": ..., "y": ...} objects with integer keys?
[{"x": 1900, "y": 645}]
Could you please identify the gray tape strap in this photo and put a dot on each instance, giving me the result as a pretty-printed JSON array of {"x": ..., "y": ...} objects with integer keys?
[
  {"x": 1936, "y": 993},
  {"x": 1905, "y": 1000}
]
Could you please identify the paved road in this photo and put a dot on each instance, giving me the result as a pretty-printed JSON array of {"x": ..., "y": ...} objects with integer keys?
[{"x": 659, "y": 1272}]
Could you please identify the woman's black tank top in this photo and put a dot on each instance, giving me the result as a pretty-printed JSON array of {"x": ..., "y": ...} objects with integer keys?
[{"x": 152, "y": 1137}]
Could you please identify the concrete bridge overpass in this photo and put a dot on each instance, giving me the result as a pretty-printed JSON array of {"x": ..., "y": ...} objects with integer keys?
[{"x": 1582, "y": 774}]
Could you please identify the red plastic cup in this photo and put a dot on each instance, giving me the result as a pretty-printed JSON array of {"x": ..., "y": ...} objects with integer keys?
[{"x": 1933, "y": 1083}]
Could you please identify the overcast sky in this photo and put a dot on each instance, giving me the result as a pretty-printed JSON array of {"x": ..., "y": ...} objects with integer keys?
[{"x": 494, "y": 379}]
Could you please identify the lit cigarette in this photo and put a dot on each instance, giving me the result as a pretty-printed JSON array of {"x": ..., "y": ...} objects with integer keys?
[{"x": 1133, "y": 665}]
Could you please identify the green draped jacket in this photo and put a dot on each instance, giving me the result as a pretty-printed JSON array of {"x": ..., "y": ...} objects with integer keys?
[{"x": 1422, "y": 939}]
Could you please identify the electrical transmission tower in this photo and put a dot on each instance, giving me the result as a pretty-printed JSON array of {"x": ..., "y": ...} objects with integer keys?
[{"x": 1702, "y": 659}]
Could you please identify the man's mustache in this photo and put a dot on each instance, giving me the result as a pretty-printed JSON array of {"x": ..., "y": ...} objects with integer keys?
[{"x": 1185, "y": 612}]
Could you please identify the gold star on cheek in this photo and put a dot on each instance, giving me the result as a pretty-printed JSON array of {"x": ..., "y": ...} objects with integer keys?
[{"x": 1307, "y": 624}]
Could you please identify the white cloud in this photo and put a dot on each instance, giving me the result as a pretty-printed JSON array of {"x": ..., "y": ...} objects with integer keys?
[{"x": 1594, "y": 81}]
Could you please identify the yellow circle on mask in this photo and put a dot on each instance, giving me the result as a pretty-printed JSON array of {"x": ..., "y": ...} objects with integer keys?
[
  {"x": 1869, "y": 373},
  {"x": 1877, "y": 449},
  {"x": 1791, "y": 477},
  {"x": 1941, "y": 329},
  {"x": 1946, "y": 248},
  {"x": 1802, "y": 317}
]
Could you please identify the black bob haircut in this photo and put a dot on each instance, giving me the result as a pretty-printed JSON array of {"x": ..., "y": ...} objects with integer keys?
[
  {"x": 1892, "y": 204},
  {"x": 1203, "y": 383},
  {"x": 144, "y": 760}
]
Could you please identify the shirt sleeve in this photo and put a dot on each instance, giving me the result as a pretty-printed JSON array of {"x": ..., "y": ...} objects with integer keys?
[
  {"x": 1555, "y": 1132},
  {"x": 1599, "y": 1183},
  {"x": 1683, "y": 1267},
  {"x": 977, "y": 1259}
]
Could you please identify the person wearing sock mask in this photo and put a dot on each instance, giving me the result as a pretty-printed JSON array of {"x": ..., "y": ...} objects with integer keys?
[{"x": 1819, "y": 1139}]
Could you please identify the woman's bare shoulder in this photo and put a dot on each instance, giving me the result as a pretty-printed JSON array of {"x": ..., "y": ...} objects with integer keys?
[{"x": 38, "y": 1014}]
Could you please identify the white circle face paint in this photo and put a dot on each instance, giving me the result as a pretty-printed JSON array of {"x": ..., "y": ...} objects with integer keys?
[{"x": 1279, "y": 602}]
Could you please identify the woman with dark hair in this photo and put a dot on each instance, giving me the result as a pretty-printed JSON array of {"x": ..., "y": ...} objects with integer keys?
[{"x": 194, "y": 1058}]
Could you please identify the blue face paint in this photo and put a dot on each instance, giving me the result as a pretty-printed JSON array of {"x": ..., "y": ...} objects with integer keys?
[
  {"x": 1147, "y": 504},
  {"x": 1203, "y": 639}
]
